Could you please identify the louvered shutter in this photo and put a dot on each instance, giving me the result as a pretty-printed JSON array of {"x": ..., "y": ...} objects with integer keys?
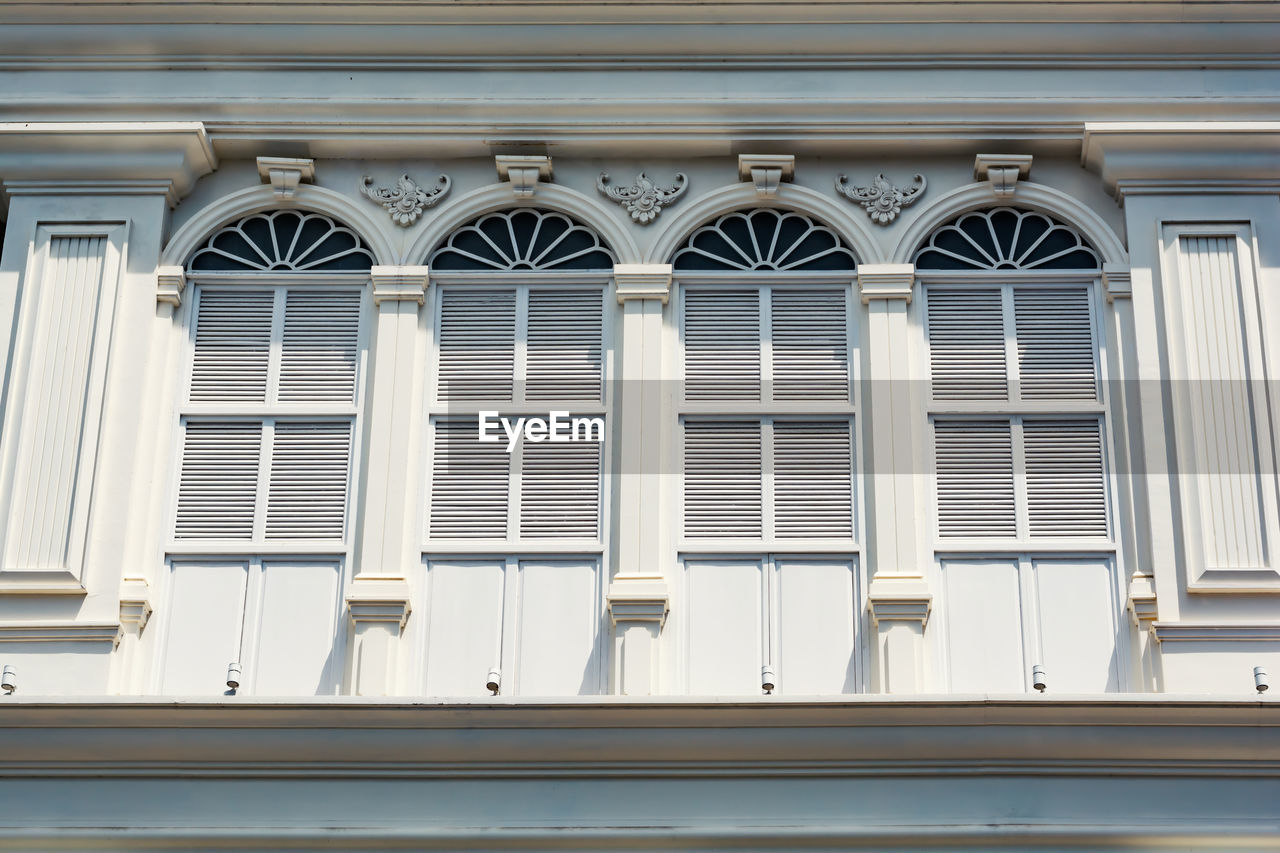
[
  {"x": 320, "y": 346},
  {"x": 218, "y": 485},
  {"x": 722, "y": 479},
  {"x": 232, "y": 346},
  {"x": 975, "y": 478},
  {"x": 564, "y": 345},
  {"x": 810, "y": 344},
  {"x": 721, "y": 344},
  {"x": 1066, "y": 486},
  {"x": 1055, "y": 343},
  {"x": 477, "y": 344},
  {"x": 469, "y": 483},
  {"x": 560, "y": 489},
  {"x": 966, "y": 344},
  {"x": 813, "y": 479},
  {"x": 307, "y": 493}
]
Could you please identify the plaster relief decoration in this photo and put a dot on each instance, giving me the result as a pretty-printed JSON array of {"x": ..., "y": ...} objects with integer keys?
[
  {"x": 882, "y": 201},
  {"x": 406, "y": 200},
  {"x": 643, "y": 199}
]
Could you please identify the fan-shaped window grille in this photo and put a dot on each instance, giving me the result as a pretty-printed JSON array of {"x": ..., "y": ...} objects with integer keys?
[
  {"x": 764, "y": 239},
  {"x": 286, "y": 241},
  {"x": 1006, "y": 239},
  {"x": 523, "y": 240}
]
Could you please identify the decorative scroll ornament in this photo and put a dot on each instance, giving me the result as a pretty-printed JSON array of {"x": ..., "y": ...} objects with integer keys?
[
  {"x": 882, "y": 200},
  {"x": 407, "y": 200},
  {"x": 643, "y": 199}
]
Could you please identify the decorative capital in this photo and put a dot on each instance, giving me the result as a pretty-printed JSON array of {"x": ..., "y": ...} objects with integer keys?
[
  {"x": 1003, "y": 170},
  {"x": 135, "y": 604},
  {"x": 882, "y": 200},
  {"x": 399, "y": 284},
  {"x": 523, "y": 171},
  {"x": 886, "y": 281},
  {"x": 285, "y": 173},
  {"x": 1117, "y": 282},
  {"x": 638, "y": 598},
  {"x": 643, "y": 281},
  {"x": 406, "y": 200},
  {"x": 170, "y": 282},
  {"x": 643, "y": 199},
  {"x": 1142, "y": 600},
  {"x": 766, "y": 171},
  {"x": 379, "y": 598},
  {"x": 900, "y": 599}
]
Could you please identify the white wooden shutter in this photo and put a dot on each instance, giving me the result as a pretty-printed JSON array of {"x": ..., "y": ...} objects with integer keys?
[
  {"x": 722, "y": 479},
  {"x": 975, "y": 478},
  {"x": 721, "y": 344},
  {"x": 564, "y": 345},
  {"x": 320, "y": 346},
  {"x": 560, "y": 489},
  {"x": 232, "y": 346},
  {"x": 813, "y": 479},
  {"x": 1066, "y": 486},
  {"x": 810, "y": 344},
  {"x": 218, "y": 486},
  {"x": 1055, "y": 343},
  {"x": 476, "y": 344},
  {"x": 966, "y": 343},
  {"x": 307, "y": 493},
  {"x": 469, "y": 483}
]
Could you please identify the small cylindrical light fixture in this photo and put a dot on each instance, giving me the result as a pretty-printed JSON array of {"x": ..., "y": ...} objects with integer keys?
[
  {"x": 767, "y": 679},
  {"x": 9, "y": 681},
  {"x": 233, "y": 675},
  {"x": 1260, "y": 681},
  {"x": 1037, "y": 678},
  {"x": 494, "y": 681}
]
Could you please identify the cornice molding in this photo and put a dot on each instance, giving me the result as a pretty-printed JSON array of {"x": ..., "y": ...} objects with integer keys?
[
  {"x": 61, "y": 632},
  {"x": 1173, "y": 632}
]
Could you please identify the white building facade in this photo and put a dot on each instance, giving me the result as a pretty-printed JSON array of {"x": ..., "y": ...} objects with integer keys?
[{"x": 884, "y": 451}]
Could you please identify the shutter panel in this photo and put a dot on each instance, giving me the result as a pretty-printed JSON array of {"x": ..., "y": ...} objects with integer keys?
[
  {"x": 1055, "y": 343},
  {"x": 218, "y": 487},
  {"x": 975, "y": 478},
  {"x": 810, "y": 345},
  {"x": 477, "y": 344},
  {"x": 722, "y": 479},
  {"x": 721, "y": 344},
  {"x": 307, "y": 496},
  {"x": 564, "y": 354},
  {"x": 966, "y": 344},
  {"x": 560, "y": 489},
  {"x": 469, "y": 480},
  {"x": 233, "y": 346},
  {"x": 1066, "y": 485},
  {"x": 813, "y": 479},
  {"x": 320, "y": 346}
]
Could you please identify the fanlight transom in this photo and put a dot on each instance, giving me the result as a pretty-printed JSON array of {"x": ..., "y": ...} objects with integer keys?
[
  {"x": 283, "y": 240},
  {"x": 764, "y": 239},
  {"x": 1006, "y": 239},
  {"x": 523, "y": 240}
]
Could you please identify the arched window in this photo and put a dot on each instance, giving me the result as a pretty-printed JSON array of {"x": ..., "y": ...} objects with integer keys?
[
  {"x": 1018, "y": 415},
  {"x": 517, "y": 514},
  {"x": 765, "y": 420},
  {"x": 269, "y": 422}
]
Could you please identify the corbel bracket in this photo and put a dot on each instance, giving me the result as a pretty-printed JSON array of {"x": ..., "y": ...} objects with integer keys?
[
  {"x": 766, "y": 171},
  {"x": 135, "y": 604},
  {"x": 285, "y": 173},
  {"x": 900, "y": 599},
  {"x": 379, "y": 598},
  {"x": 523, "y": 171},
  {"x": 1003, "y": 170},
  {"x": 170, "y": 282},
  {"x": 638, "y": 598},
  {"x": 1117, "y": 282},
  {"x": 1142, "y": 601}
]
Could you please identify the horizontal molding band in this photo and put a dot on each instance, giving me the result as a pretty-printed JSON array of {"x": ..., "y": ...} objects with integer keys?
[
  {"x": 1167, "y": 632},
  {"x": 61, "y": 632}
]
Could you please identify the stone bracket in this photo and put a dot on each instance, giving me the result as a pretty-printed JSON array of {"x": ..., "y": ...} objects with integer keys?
[
  {"x": 1003, "y": 170},
  {"x": 638, "y": 598},
  {"x": 886, "y": 281},
  {"x": 643, "y": 281},
  {"x": 399, "y": 283},
  {"x": 285, "y": 173},
  {"x": 900, "y": 600},
  {"x": 170, "y": 282},
  {"x": 1117, "y": 282},
  {"x": 766, "y": 171},
  {"x": 379, "y": 598},
  {"x": 523, "y": 171},
  {"x": 135, "y": 604}
]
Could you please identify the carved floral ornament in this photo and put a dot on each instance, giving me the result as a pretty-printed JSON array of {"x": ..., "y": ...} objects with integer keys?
[
  {"x": 406, "y": 201},
  {"x": 643, "y": 199},
  {"x": 882, "y": 200}
]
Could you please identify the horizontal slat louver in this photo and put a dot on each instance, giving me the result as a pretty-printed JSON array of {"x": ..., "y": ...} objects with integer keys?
[
  {"x": 469, "y": 483},
  {"x": 721, "y": 344},
  {"x": 564, "y": 345},
  {"x": 966, "y": 344},
  {"x": 560, "y": 489},
  {"x": 1055, "y": 343},
  {"x": 320, "y": 346},
  {"x": 307, "y": 496},
  {"x": 218, "y": 486},
  {"x": 810, "y": 345},
  {"x": 477, "y": 344},
  {"x": 975, "y": 478},
  {"x": 722, "y": 479},
  {"x": 813, "y": 479},
  {"x": 232, "y": 346},
  {"x": 1066, "y": 486}
]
